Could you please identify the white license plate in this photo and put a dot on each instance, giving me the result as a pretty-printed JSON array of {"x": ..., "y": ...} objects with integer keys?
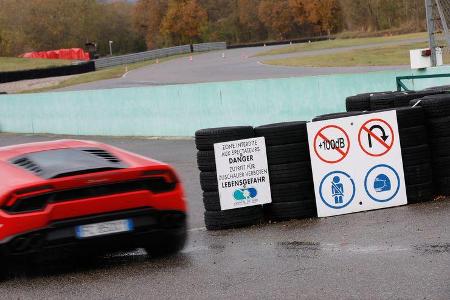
[{"x": 105, "y": 228}]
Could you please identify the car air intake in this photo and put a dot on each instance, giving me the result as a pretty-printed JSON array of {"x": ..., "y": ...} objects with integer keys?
[
  {"x": 68, "y": 162},
  {"x": 33, "y": 203},
  {"x": 28, "y": 164},
  {"x": 103, "y": 154}
]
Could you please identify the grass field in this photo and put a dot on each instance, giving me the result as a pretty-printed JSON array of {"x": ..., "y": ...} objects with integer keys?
[
  {"x": 379, "y": 56},
  {"x": 16, "y": 64},
  {"x": 341, "y": 43},
  {"x": 108, "y": 73}
]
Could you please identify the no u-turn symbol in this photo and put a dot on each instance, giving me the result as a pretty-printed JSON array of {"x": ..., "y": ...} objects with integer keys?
[{"x": 376, "y": 137}]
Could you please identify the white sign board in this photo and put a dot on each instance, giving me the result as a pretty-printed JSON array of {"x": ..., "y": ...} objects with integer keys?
[
  {"x": 242, "y": 173},
  {"x": 357, "y": 163}
]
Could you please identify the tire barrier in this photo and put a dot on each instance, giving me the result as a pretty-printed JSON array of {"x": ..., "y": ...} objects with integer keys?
[
  {"x": 290, "y": 171},
  {"x": 424, "y": 140},
  {"x": 388, "y": 100},
  {"x": 292, "y": 187},
  {"x": 437, "y": 114},
  {"x": 441, "y": 88},
  {"x": 47, "y": 72},
  {"x": 215, "y": 218}
]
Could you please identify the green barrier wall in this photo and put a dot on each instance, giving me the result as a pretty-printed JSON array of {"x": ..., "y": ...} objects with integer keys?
[{"x": 179, "y": 110}]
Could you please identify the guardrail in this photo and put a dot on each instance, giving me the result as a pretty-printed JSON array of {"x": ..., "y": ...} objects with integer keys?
[
  {"x": 74, "y": 69},
  {"x": 141, "y": 56},
  {"x": 284, "y": 42},
  {"x": 401, "y": 85},
  {"x": 209, "y": 46}
]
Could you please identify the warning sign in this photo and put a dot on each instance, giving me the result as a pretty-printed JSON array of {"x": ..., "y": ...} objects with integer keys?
[
  {"x": 376, "y": 137},
  {"x": 242, "y": 173},
  {"x": 331, "y": 144},
  {"x": 350, "y": 178}
]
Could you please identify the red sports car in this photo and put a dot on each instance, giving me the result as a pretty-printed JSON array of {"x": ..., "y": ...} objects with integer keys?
[{"x": 81, "y": 195}]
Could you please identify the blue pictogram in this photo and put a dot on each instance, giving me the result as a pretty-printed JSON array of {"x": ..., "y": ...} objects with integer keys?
[
  {"x": 337, "y": 189},
  {"x": 382, "y": 183},
  {"x": 245, "y": 194}
]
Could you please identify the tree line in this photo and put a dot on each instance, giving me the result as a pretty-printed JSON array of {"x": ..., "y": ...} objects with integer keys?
[{"x": 38, "y": 25}]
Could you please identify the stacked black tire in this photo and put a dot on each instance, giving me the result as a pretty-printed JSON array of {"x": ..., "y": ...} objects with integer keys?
[
  {"x": 290, "y": 172},
  {"x": 416, "y": 154},
  {"x": 391, "y": 100},
  {"x": 386, "y": 100},
  {"x": 215, "y": 218},
  {"x": 437, "y": 113},
  {"x": 415, "y": 151}
]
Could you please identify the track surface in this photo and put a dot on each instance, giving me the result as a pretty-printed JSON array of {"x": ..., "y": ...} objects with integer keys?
[
  {"x": 400, "y": 253},
  {"x": 238, "y": 64}
]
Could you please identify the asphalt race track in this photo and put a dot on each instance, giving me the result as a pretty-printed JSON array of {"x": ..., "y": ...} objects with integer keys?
[
  {"x": 401, "y": 253},
  {"x": 238, "y": 64}
]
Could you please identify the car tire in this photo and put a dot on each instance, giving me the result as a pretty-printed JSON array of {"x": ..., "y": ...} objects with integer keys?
[
  {"x": 233, "y": 218},
  {"x": 206, "y": 138},
  {"x": 208, "y": 181},
  {"x": 288, "y": 153},
  {"x": 292, "y": 192},
  {"x": 166, "y": 244},
  {"x": 338, "y": 115},
  {"x": 382, "y": 101},
  {"x": 440, "y": 147},
  {"x": 435, "y": 106},
  {"x": 408, "y": 116},
  {"x": 418, "y": 174},
  {"x": 420, "y": 192},
  {"x": 283, "y": 133},
  {"x": 412, "y": 136},
  {"x": 290, "y": 210},
  {"x": 293, "y": 172},
  {"x": 360, "y": 102},
  {"x": 441, "y": 165},
  {"x": 206, "y": 161},
  {"x": 439, "y": 127},
  {"x": 442, "y": 186},
  {"x": 211, "y": 201},
  {"x": 417, "y": 155}
]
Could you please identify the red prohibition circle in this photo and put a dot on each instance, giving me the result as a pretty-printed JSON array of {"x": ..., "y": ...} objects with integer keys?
[
  {"x": 344, "y": 155},
  {"x": 364, "y": 128}
]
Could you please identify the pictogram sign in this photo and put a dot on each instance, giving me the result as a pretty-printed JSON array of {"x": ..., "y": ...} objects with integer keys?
[
  {"x": 376, "y": 137},
  {"x": 357, "y": 163},
  {"x": 331, "y": 144}
]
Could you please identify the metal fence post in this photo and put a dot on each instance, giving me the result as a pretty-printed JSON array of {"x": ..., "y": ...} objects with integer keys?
[{"x": 431, "y": 30}]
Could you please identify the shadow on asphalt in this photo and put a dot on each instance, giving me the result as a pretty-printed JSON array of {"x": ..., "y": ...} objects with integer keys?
[{"x": 74, "y": 266}]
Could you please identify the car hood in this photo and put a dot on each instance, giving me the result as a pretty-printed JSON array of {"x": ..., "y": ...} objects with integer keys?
[{"x": 36, "y": 163}]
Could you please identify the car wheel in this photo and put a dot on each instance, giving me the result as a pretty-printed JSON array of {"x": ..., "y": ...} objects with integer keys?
[{"x": 166, "y": 244}]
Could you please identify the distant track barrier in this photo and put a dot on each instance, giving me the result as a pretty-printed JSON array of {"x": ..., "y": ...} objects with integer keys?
[
  {"x": 284, "y": 42},
  {"x": 209, "y": 46},
  {"x": 158, "y": 53},
  {"x": 47, "y": 72},
  {"x": 107, "y": 62},
  {"x": 112, "y": 61}
]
